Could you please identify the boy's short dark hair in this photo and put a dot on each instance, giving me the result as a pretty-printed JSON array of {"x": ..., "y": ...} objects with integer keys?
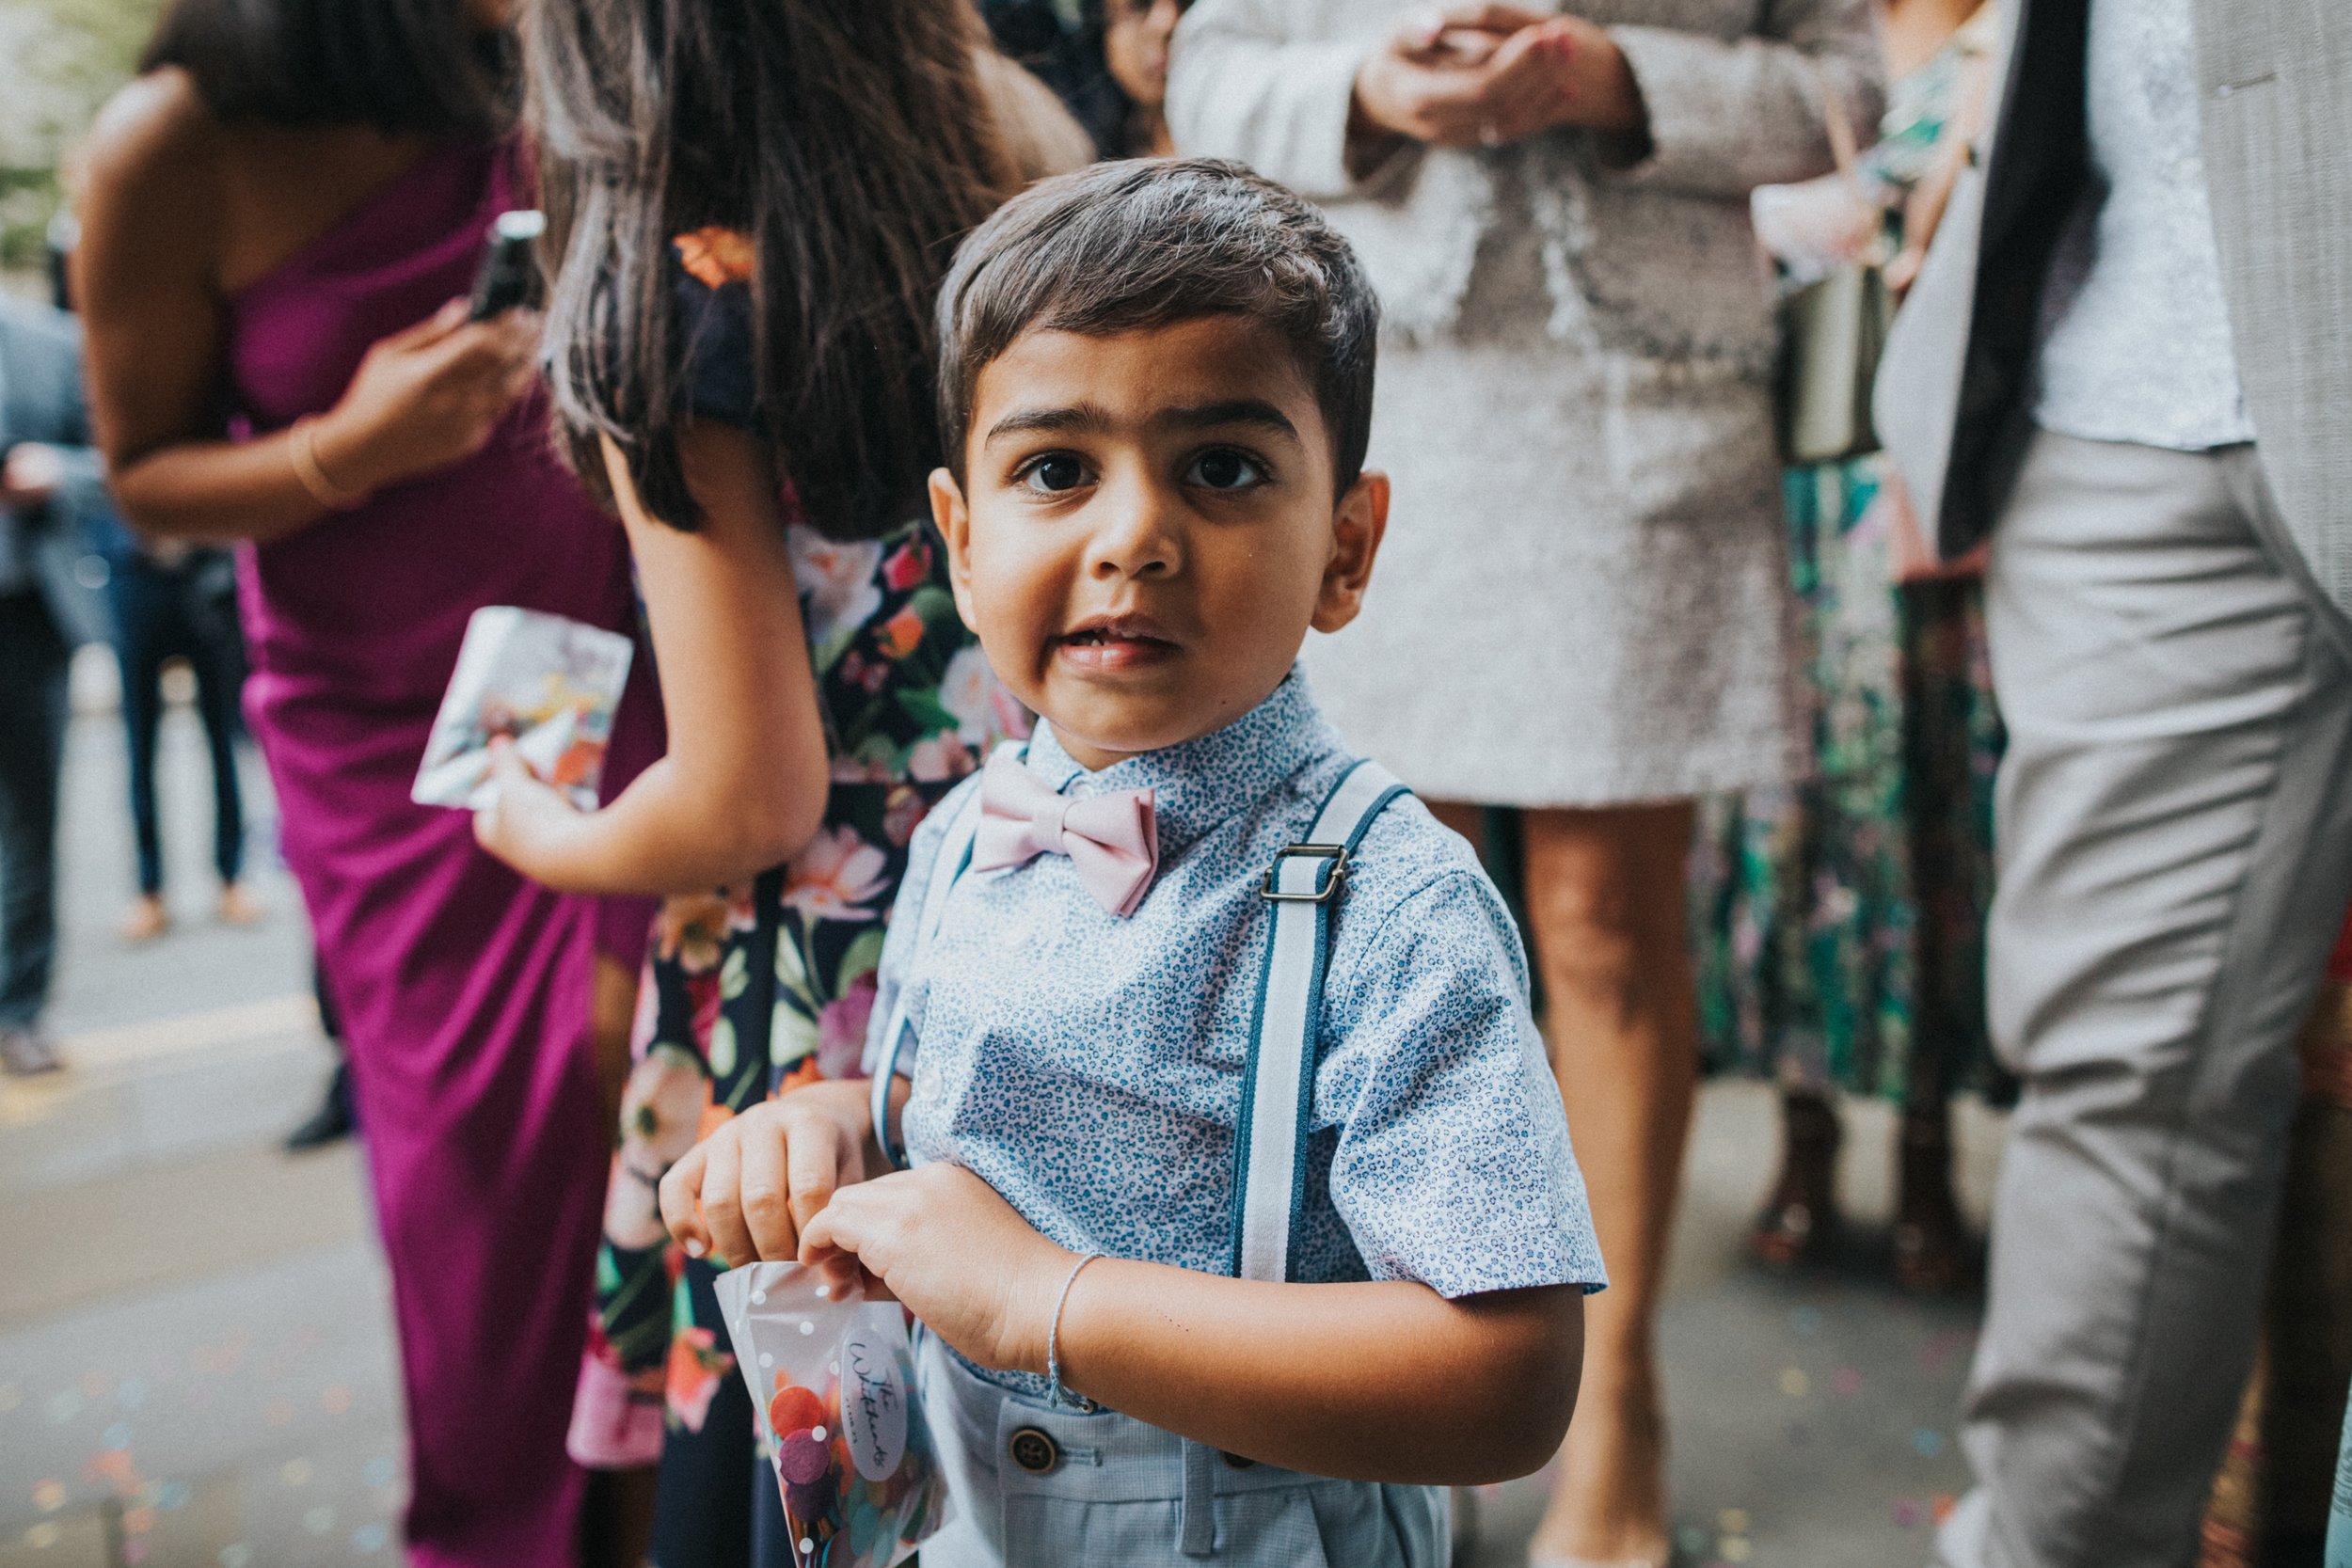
[{"x": 1148, "y": 242}]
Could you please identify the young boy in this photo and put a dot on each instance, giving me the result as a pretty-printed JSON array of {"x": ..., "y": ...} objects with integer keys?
[{"x": 1162, "y": 1031}]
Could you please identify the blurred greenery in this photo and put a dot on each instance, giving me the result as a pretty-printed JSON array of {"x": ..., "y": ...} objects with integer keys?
[{"x": 60, "y": 61}]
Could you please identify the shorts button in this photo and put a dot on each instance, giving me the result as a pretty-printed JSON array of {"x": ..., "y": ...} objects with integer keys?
[{"x": 1034, "y": 1451}]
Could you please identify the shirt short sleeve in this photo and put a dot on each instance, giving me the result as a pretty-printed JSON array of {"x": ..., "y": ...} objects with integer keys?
[
  {"x": 716, "y": 373},
  {"x": 1452, "y": 1164}
]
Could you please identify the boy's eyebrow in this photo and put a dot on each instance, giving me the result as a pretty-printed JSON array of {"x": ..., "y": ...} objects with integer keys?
[
  {"x": 1087, "y": 419},
  {"x": 1251, "y": 411},
  {"x": 1081, "y": 418}
]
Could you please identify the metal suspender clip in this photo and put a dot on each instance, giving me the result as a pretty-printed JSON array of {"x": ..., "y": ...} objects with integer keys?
[{"x": 1329, "y": 886}]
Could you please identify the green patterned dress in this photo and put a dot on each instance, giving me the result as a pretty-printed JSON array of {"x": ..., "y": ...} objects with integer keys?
[{"x": 1840, "y": 921}]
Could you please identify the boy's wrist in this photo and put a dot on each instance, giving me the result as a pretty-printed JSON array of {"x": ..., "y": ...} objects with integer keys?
[{"x": 1036, "y": 1299}]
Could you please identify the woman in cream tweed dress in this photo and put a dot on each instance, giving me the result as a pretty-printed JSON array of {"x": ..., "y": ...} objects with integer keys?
[{"x": 1581, "y": 608}]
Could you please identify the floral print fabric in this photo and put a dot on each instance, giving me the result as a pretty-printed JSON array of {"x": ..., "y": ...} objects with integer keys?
[
  {"x": 749, "y": 992},
  {"x": 752, "y": 992},
  {"x": 1840, "y": 921}
]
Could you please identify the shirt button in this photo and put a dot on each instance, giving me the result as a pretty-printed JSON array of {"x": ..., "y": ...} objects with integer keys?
[{"x": 1034, "y": 1451}]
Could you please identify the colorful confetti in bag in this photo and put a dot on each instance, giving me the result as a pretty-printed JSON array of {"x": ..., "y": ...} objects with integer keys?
[{"x": 834, "y": 1374}]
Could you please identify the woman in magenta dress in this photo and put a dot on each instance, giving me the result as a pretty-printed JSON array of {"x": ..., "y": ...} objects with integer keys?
[{"x": 279, "y": 215}]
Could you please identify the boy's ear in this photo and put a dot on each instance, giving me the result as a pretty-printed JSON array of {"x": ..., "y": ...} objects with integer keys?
[
  {"x": 955, "y": 526},
  {"x": 1357, "y": 525}
]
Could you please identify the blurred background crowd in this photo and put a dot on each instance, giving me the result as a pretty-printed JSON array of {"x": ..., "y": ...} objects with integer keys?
[{"x": 1707, "y": 675}]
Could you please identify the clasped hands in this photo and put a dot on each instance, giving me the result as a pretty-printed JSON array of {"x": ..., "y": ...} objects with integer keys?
[
  {"x": 787, "y": 1181},
  {"x": 1487, "y": 75}
]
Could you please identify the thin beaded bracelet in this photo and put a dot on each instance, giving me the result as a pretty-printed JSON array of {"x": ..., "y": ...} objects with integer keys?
[
  {"x": 1057, "y": 1395},
  {"x": 302, "y": 451}
]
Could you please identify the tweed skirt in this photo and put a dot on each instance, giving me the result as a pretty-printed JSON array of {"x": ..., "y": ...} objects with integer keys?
[{"x": 1583, "y": 598}]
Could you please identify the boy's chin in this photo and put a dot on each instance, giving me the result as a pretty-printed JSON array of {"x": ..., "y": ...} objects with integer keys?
[
  {"x": 1098, "y": 727},
  {"x": 1099, "y": 723}
]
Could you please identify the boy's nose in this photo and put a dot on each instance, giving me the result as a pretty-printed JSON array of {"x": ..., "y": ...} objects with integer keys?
[{"x": 1138, "y": 536}]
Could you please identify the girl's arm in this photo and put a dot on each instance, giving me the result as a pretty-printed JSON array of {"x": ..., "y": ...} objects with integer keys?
[
  {"x": 146, "y": 272},
  {"x": 743, "y": 784},
  {"x": 1384, "y": 1381}
]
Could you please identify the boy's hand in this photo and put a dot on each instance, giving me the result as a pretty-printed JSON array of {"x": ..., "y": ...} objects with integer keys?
[
  {"x": 749, "y": 1190},
  {"x": 956, "y": 1254}
]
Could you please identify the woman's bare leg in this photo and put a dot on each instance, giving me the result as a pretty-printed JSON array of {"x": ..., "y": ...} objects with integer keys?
[{"x": 1605, "y": 892}]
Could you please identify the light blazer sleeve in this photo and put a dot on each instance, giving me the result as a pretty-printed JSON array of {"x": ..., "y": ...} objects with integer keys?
[
  {"x": 1726, "y": 116},
  {"x": 1243, "y": 85}
]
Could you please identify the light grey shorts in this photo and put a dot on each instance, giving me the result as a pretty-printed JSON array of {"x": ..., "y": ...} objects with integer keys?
[{"x": 1035, "y": 1486}]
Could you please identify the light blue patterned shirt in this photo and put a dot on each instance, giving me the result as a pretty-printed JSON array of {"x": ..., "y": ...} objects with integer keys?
[{"x": 1090, "y": 1068}]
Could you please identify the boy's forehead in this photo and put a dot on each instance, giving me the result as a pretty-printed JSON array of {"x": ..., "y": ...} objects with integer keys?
[{"x": 1209, "y": 359}]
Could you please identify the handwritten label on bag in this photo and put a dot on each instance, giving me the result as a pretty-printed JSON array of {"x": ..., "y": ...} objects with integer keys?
[{"x": 873, "y": 1405}]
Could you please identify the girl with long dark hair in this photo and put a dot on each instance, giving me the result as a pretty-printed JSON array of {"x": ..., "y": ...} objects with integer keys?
[
  {"x": 282, "y": 215},
  {"x": 750, "y": 206}
]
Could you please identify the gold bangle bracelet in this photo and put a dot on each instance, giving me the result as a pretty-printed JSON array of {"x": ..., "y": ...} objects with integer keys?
[{"x": 302, "y": 451}]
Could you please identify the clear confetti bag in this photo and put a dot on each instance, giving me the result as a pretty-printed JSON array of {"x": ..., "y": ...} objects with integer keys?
[{"x": 833, "y": 1375}]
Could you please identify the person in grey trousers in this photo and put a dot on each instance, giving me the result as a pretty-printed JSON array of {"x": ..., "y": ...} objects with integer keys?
[
  {"x": 51, "y": 487},
  {"x": 2128, "y": 362}
]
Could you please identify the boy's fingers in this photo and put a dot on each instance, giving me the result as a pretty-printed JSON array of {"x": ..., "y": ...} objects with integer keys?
[
  {"x": 821, "y": 1241},
  {"x": 681, "y": 1203},
  {"x": 768, "y": 1201},
  {"x": 722, "y": 1197},
  {"x": 816, "y": 1160},
  {"x": 838, "y": 1227}
]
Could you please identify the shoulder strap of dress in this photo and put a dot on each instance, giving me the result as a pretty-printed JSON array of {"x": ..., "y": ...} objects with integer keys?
[
  {"x": 955, "y": 857},
  {"x": 1278, "y": 1094}
]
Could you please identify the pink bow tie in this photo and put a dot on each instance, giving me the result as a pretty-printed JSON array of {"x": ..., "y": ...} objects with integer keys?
[{"x": 1111, "y": 839}]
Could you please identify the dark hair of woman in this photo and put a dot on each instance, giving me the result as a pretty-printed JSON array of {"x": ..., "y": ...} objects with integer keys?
[
  {"x": 402, "y": 66},
  {"x": 849, "y": 139}
]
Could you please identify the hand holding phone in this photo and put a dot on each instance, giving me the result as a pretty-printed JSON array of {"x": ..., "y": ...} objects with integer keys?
[{"x": 508, "y": 278}]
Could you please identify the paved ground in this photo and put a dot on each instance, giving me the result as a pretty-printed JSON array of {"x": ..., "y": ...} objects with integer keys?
[{"x": 195, "y": 1360}]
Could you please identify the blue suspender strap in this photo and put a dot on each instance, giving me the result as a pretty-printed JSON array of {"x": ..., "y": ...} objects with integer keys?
[
  {"x": 1278, "y": 1094},
  {"x": 955, "y": 856},
  {"x": 1303, "y": 887}
]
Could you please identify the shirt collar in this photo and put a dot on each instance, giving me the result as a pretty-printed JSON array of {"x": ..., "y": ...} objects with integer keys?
[{"x": 1201, "y": 781}]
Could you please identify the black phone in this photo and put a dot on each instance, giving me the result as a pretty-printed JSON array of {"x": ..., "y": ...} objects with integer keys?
[{"x": 508, "y": 276}]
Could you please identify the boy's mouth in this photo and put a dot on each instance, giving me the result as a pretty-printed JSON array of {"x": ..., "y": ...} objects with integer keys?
[{"x": 1108, "y": 643}]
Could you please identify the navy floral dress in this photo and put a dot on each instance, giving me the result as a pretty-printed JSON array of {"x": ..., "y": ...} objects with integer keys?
[{"x": 753, "y": 991}]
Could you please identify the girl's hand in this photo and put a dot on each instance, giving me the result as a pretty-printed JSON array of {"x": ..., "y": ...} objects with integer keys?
[
  {"x": 749, "y": 1190},
  {"x": 528, "y": 823},
  {"x": 944, "y": 1243},
  {"x": 428, "y": 396}
]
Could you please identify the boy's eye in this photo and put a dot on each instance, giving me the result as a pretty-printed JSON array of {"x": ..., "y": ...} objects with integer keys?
[
  {"x": 1054, "y": 472},
  {"x": 1224, "y": 468}
]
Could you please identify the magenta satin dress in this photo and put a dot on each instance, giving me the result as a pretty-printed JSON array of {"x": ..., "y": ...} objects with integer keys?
[{"x": 463, "y": 989}]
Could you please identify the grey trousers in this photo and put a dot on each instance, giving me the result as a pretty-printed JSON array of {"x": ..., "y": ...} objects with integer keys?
[{"x": 2174, "y": 833}]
